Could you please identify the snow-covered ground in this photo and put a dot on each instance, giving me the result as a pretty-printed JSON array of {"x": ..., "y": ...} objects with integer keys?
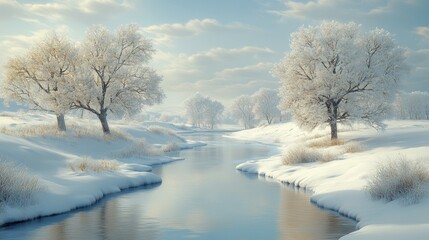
[
  {"x": 29, "y": 140},
  {"x": 340, "y": 184}
]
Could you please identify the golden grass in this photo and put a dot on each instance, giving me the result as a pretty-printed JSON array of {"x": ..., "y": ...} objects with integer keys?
[
  {"x": 161, "y": 130},
  {"x": 34, "y": 131},
  {"x": 302, "y": 154},
  {"x": 324, "y": 142},
  {"x": 86, "y": 164},
  {"x": 74, "y": 130}
]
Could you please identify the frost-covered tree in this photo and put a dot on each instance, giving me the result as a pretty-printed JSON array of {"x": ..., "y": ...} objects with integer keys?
[
  {"x": 335, "y": 72},
  {"x": 41, "y": 77},
  {"x": 242, "y": 109},
  {"x": 203, "y": 111},
  {"x": 195, "y": 109},
  {"x": 266, "y": 102},
  {"x": 114, "y": 75},
  {"x": 214, "y": 110}
]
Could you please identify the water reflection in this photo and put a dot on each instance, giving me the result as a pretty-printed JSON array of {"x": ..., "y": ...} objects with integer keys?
[
  {"x": 202, "y": 197},
  {"x": 299, "y": 221}
]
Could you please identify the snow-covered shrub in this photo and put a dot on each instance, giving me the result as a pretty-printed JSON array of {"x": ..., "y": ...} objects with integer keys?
[
  {"x": 171, "y": 147},
  {"x": 161, "y": 130},
  {"x": 301, "y": 154},
  {"x": 398, "y": 178},
  {"x": 17, "y": 185},
  {"x": 86, "y": 164}
]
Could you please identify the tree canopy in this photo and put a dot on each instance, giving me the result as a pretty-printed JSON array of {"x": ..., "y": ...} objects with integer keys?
[
  {"x": 42, "y": 77},
  {"x": 335, "y": 72}
]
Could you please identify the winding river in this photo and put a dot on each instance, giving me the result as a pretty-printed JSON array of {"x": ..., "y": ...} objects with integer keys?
[{"x": 201, "y": 197}]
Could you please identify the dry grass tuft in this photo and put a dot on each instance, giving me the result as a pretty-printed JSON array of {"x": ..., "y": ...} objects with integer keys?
[
  {"x": 161, "y": 130},
  {"x": 140, "y": 149},
  {"x": 346, "y": 147},
  {"x": 301, "y": 154},
  {"x": 86, "y": 164},
  {"x": 73, "y": 130},
  {"x": 352, "y": 147},
  {"x": 399, "y": 178},
  {"x": 35, "y": 131},
  {"x": 171, "y": 147},
  {"x": 80, "y": 131},
  {"x": 324, "y": 143},
  {"x": 17, "y": 185}
]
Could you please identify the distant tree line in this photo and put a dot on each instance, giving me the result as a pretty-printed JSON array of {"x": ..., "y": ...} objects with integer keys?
[
  {"x": 203, "y": 111},
  {"x": 413, "y": 105},
  {"x": 261, "y": 106}
]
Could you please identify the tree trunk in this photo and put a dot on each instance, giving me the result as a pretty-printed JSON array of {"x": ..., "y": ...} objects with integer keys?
[
  {"x": 61, "y": 123},
  {"x": 104, "y": 123},
  {"x": 334, "y": 130},
  {"x": 333, "y": 116}
]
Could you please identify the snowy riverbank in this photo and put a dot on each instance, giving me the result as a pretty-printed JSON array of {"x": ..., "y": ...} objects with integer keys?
[
  {"x": 27, "y": 142},
  {"x": 339, "y": 184}
]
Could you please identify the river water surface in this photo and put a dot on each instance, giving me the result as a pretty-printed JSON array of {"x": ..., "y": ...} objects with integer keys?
[{"x": 201, "y": 197}]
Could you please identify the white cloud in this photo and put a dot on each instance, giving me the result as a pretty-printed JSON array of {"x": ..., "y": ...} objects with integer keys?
[
  {"x": 203, "y": 65},
  {"x": 10, "y": 9},
  {"x": 423, "y": 32},
  {"x": 338, "y": 9},
  {"x": 418, "y": 60},
  {"x": 222, "y": 73},
  {"x": 165, "y": 32},
  {"x": 318, "y": 9},
  {"x": 192, "y": 27},
  {"x": 259, "y": 70},
  {"x": 378, "y": 10},
  {"x": 223, "y": 54},
  {"x": 88, "y": 11}
]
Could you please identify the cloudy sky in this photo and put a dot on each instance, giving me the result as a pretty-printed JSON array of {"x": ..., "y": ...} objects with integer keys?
[{"x": 219, "y": 48}]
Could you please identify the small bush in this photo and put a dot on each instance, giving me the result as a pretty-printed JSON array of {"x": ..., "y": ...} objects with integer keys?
[
  {"x": 161, "y": 130},
  {"x": 300, "y": 154},
  {"x": 17, "y": 185},
  {"x": 346, "y": 147},
  {"x": 324, "y": 143},
  {"x": 399, "y": 178},
  {"x": 171, "y": 147},
  {"x": 86, "y": 164},
  {"x": 352, "y": 147}
]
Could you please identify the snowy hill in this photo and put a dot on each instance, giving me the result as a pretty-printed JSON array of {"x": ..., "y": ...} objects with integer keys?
[
  {"x": 339, "y": 184},
  {"x": 77, "y": 168}
]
